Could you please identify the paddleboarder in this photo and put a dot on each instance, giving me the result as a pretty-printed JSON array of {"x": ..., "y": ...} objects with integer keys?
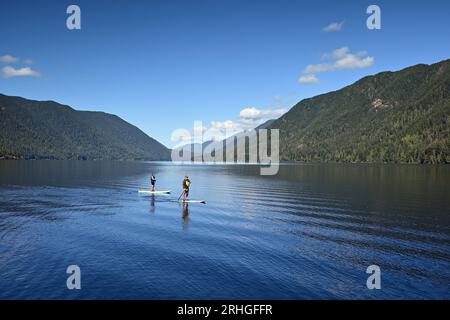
[
  {"x": 186, "y": 185},
  {"x": 153, "y": 182}
]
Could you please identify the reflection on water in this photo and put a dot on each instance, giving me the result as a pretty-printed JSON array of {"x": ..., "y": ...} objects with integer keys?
[
  {"x": 152, "y": 204},
  {"x": 185, "y": 216},
  {"x": 309, "y": 232}
]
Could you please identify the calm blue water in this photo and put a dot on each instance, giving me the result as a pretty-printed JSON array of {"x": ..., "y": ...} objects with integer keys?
[{"x": 308, "y": 233}]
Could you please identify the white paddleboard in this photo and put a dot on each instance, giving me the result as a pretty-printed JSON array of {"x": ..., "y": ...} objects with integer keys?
[
  {"x": 190, "y": 201},
  {"x": 148, "y": 191}
]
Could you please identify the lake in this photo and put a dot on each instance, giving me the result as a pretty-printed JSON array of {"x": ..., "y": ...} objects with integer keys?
[{"x": 308, "y": 233}]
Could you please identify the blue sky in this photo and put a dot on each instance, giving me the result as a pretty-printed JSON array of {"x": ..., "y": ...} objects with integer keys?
[{"x": 161, "y": 65}]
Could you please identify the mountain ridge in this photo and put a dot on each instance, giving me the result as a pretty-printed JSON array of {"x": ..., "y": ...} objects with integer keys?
[
  {"x": 49, "y": 130},
  {"x": 393, "y": 116},
  {"x": 400, "y": 116}
]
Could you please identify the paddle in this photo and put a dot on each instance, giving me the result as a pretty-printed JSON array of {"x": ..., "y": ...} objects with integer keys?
[{"x": 180, "y": 195}]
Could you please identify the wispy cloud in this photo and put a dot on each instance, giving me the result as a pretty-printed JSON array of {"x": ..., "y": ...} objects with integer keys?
[
  {"x": 342, "y": 59},
  {"x": 336, "y": 26},
  {"x": 8, "y": 59},
  {"x": 28, "y": 61},
  {"x": 10, "y": 72},
  {"x": 308, "y": 79},
  {"x": 339, "y": 59}
]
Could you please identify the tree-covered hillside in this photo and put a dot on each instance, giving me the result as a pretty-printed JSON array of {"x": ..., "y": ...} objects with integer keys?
[
  {"x": 46, "y": 129},
  {"x": 390, "y": 117}
]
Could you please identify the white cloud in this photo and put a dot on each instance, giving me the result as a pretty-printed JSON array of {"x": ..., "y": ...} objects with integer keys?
[
  {"x": 254, "y": 113},
  {"x": 336, "y": 26},
  {"x": 223, "y": 125},
  {"x": 362, "y": 54},
  {"x": 336, "y": 54},
  {"x": 308, "y": 79},
  {"x": 8, "y": 59},
  {"x": 28, "y": 61},
  {"x": 354, "y": 62},
  {"x": 10, "y": 72},
  {"x": 342, "y": 60},
  {"x": 249, "y": 113},
  {"x": 249, "y": 118}
]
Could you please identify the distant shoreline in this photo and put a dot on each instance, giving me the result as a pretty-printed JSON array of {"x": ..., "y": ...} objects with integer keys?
[{"x": 283, "y": 163}]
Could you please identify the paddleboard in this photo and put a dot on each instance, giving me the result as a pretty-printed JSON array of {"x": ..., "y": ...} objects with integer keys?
[
  {"x": 190, "y": 201},
  {"x": 148, "y": 191}
]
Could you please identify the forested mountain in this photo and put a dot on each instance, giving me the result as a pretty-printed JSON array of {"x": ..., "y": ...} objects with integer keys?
[
  {"x": 48, "y": 130},
  {"x": 399, "y": 116}
]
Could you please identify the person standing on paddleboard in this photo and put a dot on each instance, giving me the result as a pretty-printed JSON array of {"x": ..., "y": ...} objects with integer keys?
[
  {"x": 186, "y": 186},
  {"x": 153, "y": 182}
]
